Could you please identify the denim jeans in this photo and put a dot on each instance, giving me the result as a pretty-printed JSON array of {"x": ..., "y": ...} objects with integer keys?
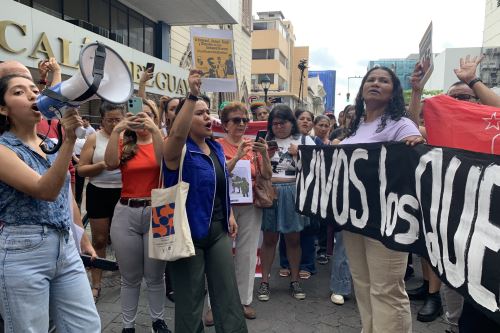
[
  {"x": 41, "y": 271},
  {"x": 340, "y": 278},
  {"x": 308, "y": 256}
]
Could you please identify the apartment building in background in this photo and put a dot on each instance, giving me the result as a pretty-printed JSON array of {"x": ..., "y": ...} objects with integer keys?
[{"x": 274, "y": 55}]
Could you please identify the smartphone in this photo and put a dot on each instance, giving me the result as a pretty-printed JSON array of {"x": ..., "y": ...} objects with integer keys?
[
  {"x": 134, "y": 105},
  {"x": 272, "y": 144},
  {"x": 150, "y": 67},
  {"x": 261, "y": 134},
  {"x": 104, "y": 264}
]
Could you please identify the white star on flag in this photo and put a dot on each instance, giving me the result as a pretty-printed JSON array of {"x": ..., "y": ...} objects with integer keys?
[{"x": 493, "y": 122}]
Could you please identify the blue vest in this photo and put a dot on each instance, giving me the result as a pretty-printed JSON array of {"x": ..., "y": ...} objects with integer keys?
[
  {"x": 18, "y": 208},
  {"x": 199, "y": 172}
]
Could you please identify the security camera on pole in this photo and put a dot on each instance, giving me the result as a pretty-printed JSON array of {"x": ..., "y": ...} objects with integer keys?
[{"x": 302, "y": 67}]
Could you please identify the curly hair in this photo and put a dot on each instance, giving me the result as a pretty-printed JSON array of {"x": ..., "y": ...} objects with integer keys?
[
  {"x": 129, "y": 145},
  {"x": 394, "y": 110}
]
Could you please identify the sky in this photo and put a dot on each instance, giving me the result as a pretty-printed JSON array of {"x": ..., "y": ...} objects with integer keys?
[{"x": 345, "y": 34}]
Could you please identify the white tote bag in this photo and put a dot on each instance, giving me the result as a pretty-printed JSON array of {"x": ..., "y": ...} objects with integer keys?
[{"x": 169, "y": 232}]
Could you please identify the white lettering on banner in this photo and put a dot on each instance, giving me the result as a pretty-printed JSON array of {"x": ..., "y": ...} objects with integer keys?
[
  {"x": 341, "y": 217},
  {"x": 455, "y": 273},
  {"x": 359, "y": 222},
  {"x": 436, "y": 183},
  {"x": 485, "y": 235},
  {"x": 327, "y": 184},
  {"x": 435, "y": 158}
]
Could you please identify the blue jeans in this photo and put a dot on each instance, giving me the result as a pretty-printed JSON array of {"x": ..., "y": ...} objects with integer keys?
[
  {"x": 41, "y": 271},
  {"x": 340, "y": 278},
  {"x": 308, "y": 252}
]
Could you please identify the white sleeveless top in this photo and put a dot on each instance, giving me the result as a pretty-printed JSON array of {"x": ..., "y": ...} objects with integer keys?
[{"x": 106, "y": 179}]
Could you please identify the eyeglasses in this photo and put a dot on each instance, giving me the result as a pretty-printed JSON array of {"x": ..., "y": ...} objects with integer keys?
[
  {"x": 464, "y": 97},
  {"x": 238, "y": 120},
  {"x": 279, "y": 123}
]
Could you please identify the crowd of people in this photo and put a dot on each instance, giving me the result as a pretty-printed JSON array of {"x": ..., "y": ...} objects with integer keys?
[{"x": 127, "y": 157}]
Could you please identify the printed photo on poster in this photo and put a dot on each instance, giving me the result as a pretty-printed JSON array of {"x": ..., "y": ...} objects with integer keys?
[
  {"x": 213, "y": 54},
  {"x": 240, "y": 184}
]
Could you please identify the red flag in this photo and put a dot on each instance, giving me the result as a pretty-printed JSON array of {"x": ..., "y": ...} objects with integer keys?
[
  {"x": 252, "y": 128},
  {"x": 460, "y": 124}
]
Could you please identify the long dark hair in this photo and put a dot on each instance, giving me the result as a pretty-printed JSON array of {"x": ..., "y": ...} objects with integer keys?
[
  {"x": 394, "y": 110},
  {"x": 4, "y": 86},
  {"x": 283, "y": 112}
]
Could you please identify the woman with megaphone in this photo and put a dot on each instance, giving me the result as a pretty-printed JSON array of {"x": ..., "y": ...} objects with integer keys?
[
  {"x": 135, "y": 146},
  {"x": 40, "y": 268}
]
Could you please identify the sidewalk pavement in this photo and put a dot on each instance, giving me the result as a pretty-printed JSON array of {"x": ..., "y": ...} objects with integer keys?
[{"x": 281, "y": 313}]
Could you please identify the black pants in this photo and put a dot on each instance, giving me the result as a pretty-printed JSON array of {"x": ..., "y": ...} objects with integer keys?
[{"x": 79, "y": 184}]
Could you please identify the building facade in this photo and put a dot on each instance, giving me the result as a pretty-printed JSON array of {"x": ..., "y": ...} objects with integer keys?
[
  {"x": 275, "y": 55},
  {"x": 140, "y": 31},
  {"x": 445, "y": 62},
  {"x": 403, "y": 67},
  {"x": 491, "y": 32},
  {"x": 328, "y": 78}
]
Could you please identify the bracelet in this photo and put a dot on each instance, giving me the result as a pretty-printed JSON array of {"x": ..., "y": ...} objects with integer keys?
[
  {"x": 42, "y": 81},
  {"x": 473, "y": 82},
  {"x": 193, "y": 97}
]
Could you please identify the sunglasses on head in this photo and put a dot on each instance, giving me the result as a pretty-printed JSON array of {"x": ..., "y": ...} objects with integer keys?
[{"x": 238, "y": 120}]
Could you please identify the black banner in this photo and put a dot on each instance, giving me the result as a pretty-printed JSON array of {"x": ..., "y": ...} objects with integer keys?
[{"x": 441, "y": 203}]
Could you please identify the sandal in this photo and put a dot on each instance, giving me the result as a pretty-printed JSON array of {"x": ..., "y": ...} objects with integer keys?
[
  {"x": 304, "y": 275},
  {"x": 96, "y": 293},
  {"x": 284, "y": 272}
]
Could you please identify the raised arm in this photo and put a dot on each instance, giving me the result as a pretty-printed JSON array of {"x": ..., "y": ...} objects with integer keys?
[
  {"x": 145, "y": 77},
  {"x": 20, "y": 176},
  {"x": 85, "y": 167},
  {"x": 179, "y": 131},
  {"x": 467, "y": 73},
  {"x": 417, "y": 89}
]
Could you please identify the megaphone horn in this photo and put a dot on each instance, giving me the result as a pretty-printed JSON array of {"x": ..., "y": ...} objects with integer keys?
[{"x": 103, "y": 74}]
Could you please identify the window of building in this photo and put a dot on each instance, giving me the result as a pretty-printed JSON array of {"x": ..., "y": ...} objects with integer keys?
[
  {"x": 99, "y": 16},
  {"x": 263, "y": 54},
  {"x": 260, "y": 77},
  {"x": 76, "y": 10},
  {"x": 119, "y": 23},
  {"x": 149, "y": 37},
  {"x": 51, "y": 7},
  {"x": 283, "y": 59},
  {"x": 282, "y": 83},
  {"x": 136, "y": 31},
  {"x": 264, "y": 25}
]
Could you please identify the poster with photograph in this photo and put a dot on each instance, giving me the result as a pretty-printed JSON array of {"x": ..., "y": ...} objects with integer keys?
[
  {"x": 240, "y": 184},
  {"x": 426, "y": 58},
  {"x": 212, "y": 53}
]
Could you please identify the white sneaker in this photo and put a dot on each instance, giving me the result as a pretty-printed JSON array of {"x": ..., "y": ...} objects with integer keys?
[{"x": 337, "y": 299}]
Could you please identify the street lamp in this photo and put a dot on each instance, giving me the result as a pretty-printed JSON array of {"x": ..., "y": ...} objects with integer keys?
[{"x": 265, "y": 83}]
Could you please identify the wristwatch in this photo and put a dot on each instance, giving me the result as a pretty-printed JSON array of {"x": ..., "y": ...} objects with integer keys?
[
  {"x": 473, "y": 82},
  {"x": 193, "y": 97}
]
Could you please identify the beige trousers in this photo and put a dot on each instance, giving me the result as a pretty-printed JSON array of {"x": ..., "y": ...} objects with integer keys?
[{"x": 378, "y": 276}]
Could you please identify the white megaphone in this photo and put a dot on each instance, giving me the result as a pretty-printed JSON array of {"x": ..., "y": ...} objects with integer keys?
[{"x": 103, "y": 75}]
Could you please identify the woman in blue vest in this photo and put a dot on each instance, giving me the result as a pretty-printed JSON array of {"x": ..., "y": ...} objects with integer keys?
[
  {"x": 40, "y": 268},
  {"x": 210, "y": 219}
]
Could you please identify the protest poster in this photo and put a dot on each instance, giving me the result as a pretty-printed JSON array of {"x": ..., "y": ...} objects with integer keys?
[
  {"x": 212, "y": 53},
  {"x": 240, "y": 183},
  {"x": 461, "y": 124},
  {"x": 440, "y": 203},
  {"x": 425, "y": 55}
]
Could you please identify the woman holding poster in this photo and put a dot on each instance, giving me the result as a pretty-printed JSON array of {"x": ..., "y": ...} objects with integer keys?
[
  {"x": 210, "y": 219},
  {"x": 378, "y": 272},
  {"x": 235, "y": 118}
]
